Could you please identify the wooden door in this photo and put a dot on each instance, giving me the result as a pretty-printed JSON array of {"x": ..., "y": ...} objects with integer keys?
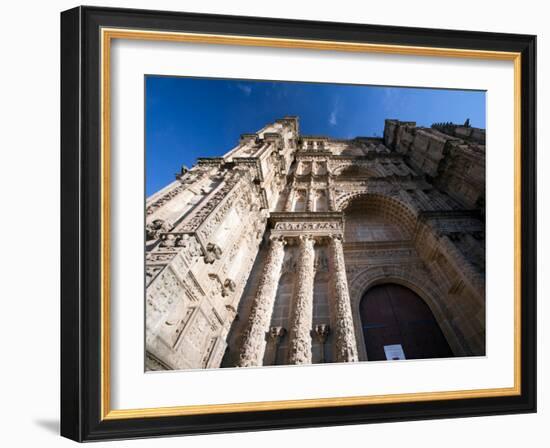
[{"x": 392, "y": 314}]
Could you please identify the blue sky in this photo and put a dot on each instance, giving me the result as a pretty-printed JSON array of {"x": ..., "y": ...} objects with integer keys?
[{"x": 186, "y": 118}]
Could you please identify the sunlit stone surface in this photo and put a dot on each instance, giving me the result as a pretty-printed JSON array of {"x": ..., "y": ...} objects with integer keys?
[{"x": 262, "y": 256}]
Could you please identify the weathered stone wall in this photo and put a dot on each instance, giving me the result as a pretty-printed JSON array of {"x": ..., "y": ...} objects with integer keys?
[
  {"x": 203, "y": 235},
  {"x": 452, "y": 156},
  {"x": 262, "y": 256}
]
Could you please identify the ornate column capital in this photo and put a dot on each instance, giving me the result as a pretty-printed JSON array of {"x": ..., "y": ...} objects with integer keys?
[
  {"x": 336, "y": 237},
  {"x": 322, "y": 331},
  {"x": 276, "y": 333},
  {"x": 305, "y": 238},
  {"x": 277, "y": 239},
  {"x": 274, "y": 337}
]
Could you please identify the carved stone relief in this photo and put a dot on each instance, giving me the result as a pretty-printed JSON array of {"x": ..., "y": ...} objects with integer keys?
[{"x": 206, "y": 304}]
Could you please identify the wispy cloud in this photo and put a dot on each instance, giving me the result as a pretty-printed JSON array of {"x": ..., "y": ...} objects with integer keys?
[
  {"x": 245, "y": 88},
  {"x": 333, "y": 117}
]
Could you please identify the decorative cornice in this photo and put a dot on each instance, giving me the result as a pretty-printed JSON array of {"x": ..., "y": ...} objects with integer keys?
[
  {"x": 305, "y": 216},
  {"x": 210, "y": 161},
  {"x": 319, "y": 153},
  {"x": 369, "y": 156}
]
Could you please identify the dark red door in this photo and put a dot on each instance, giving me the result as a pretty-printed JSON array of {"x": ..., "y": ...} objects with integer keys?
[{"x": 393, "y": 314}]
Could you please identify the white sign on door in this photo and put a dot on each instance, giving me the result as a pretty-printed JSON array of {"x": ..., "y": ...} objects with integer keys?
[{"x": 394, "y": 352}]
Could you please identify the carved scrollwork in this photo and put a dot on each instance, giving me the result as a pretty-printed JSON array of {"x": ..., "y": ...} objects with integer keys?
[
  {"x": 304, "y": 226},
  {"x": 229, "y": 286},
  {"x": 155, "y": 228},
  {"x": 303, "y": 191},
  {"x": 213, "y": 253},
  {"x": 168, "y": 240},
  {"x": 179, "y": 240}
]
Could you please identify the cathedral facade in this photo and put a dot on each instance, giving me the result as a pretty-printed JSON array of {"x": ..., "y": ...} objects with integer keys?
[{"x": 297, "y": 249}]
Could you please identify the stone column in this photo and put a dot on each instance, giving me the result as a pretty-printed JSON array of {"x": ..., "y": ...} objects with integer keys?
[
  {"x": 310, "y": 199},
  {"x": 463, "y": 266},
  {"x": 254, "y": 341},
  {"x": 310, "y": 192},
  {"x": 301, "y": 320},
  {"x": 330, "y": 194},
  {"x": 344, "y": 335},
  {"x": 289, "y": 199}
]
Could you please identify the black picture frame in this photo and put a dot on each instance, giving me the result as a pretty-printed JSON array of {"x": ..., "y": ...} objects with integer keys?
[{"x": 81, "y": 209}]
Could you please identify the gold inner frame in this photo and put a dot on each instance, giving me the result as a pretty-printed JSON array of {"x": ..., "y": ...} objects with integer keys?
[{"x": 107, "y": 35}]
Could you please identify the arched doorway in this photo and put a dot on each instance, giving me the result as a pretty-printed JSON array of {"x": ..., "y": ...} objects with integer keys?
[{"x": 398, "y": 324}]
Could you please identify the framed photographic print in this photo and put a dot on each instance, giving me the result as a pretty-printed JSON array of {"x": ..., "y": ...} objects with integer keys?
[{"x": 275, "y": 223}]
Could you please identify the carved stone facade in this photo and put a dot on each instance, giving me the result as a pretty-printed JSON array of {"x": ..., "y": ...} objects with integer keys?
[{"x": 262, "y": 256}]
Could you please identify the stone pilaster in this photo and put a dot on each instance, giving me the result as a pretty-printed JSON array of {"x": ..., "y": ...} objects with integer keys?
[
  {"x": 310, "y": 199},
  {"x": 330, "y": 194},
  {"x": 289, "y": 199},
  {"x": 301, "y": 321},
  {"x": 344, "y": 335},
  {"x": 254, "y": 341}
]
